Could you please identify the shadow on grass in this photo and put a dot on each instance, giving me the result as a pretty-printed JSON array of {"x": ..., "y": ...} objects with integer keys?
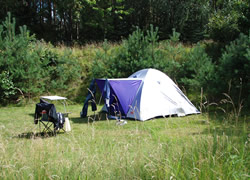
[
  {"x": 79, "y": 120},
  {"x": 101, "y": 116},
  {"x": 90, "y": 119},
  {"x": 31, "y": 115},
  {"x": 41, "y": 135}
]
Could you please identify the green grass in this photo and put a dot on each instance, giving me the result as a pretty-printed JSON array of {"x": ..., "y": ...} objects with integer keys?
[{"x": 191, "y": 147}]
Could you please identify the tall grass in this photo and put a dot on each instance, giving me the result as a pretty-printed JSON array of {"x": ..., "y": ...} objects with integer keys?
[{"x": 167, "y": 148}]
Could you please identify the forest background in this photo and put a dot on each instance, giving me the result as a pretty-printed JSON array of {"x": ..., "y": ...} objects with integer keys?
[{"x": 52, "y": 46}]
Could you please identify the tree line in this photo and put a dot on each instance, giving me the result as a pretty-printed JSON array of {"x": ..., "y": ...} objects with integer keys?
[
  {"x": 150, "y": 34},
  {"x": 81, "y": 21}
]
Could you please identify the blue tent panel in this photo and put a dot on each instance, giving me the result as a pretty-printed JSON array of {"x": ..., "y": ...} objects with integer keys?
[
  {"x": 124, "y": 90},
  {"x": 108, "y": 94},
  {"x": 101, "y": 84}
]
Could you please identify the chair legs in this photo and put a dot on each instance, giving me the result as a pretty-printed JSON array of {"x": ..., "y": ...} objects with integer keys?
[{"x": 47, "y": 127}]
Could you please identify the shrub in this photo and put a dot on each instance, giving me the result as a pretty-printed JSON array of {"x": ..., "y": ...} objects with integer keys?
[
  {"x": 197, "y": 70},
  {"x": 32, "y": 67},
  {"x": 18, "y": 58},
  {"x": 59, "y": 69},
  {"x": 190, "y": 67},
  {"x": 136, "y": 53},
  {"x": 7, "y": 88},
  {"x": 223, "y": 26},
  {"x": 234, "y": 67},
  {"x": 172, "y": 54}
]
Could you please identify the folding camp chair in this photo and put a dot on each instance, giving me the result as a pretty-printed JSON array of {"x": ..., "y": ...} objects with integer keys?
[
  {"x": 47, "y": 118},
  {"x": 46, "y": 122}
]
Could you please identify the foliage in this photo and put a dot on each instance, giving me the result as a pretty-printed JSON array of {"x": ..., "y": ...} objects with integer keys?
[
  {"x": 138, "y": 52},
  {"x": 7, "y": 88},
  {"x": 193, "y": 23},
  {"x": 59, "y": 69},
  {"x": 81, "y": 21},
  {"x": 244, "y": 19},
  {"x": 197, "y": 70},
  {"x": 30, "y": 67},
  {"x": 175, "y": 37},
  {"x": 109, "y": 15},
  {"x": 234, "y": 67},
  {"x": 226, "y": 23},
  {"x": 17, "y": 57},
  {"x": 172, "y": 56},
  {"x": 223, "y": 26}
]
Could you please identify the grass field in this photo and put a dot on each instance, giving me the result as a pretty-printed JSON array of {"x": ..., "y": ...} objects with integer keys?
[{"x": 191, "y": 147}]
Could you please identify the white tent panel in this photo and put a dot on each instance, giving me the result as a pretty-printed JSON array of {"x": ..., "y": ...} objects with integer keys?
[{"x": 158, "y": 96}]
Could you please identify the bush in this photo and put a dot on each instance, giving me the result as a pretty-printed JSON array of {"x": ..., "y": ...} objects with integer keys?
[
  {"x": 190, "y": 67},
  {"x": 59, "y": 69},
  {"x": 172, "y": 54},
  {"x": 223, "y": 26},
  {"x": 197, "y": 70},
  {"x": 136, "y": 53},
  {"x": 234, "y": 67},
  {"x": 17, "y": 58},
  {"x": 7, "y": 88},
  {"x": 226, "y": 23},
  {"x": 31, "y": 66}
]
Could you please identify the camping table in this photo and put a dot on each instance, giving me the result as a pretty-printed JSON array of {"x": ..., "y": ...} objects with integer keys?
[{"x": 57, "y": 98}]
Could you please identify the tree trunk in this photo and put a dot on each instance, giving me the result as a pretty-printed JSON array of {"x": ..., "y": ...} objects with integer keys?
[
  {"x": 70, "y": 25},
  {"x": 40, "y": 4},
  {"x": 50, "y": 13},
  {"x": 54, "y": 13}
]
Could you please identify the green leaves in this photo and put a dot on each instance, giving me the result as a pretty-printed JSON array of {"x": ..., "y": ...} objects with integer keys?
[
  {"x": 29, "y": 66},
  {"x": 197, "y": 70},
  {"x": 7, "y": 88},
  {"x": 234, "y": 66},
  {"x": 226, "y": 23},
  {"x": 224, "y": 27},
  {"x": 138, "y": 52}
]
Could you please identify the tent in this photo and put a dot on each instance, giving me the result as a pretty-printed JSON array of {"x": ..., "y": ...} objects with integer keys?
[{"x": 144, "y": 95}]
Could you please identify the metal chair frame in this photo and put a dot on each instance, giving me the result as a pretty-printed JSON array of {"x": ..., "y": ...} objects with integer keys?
[{"x": 44, "y": 120}]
